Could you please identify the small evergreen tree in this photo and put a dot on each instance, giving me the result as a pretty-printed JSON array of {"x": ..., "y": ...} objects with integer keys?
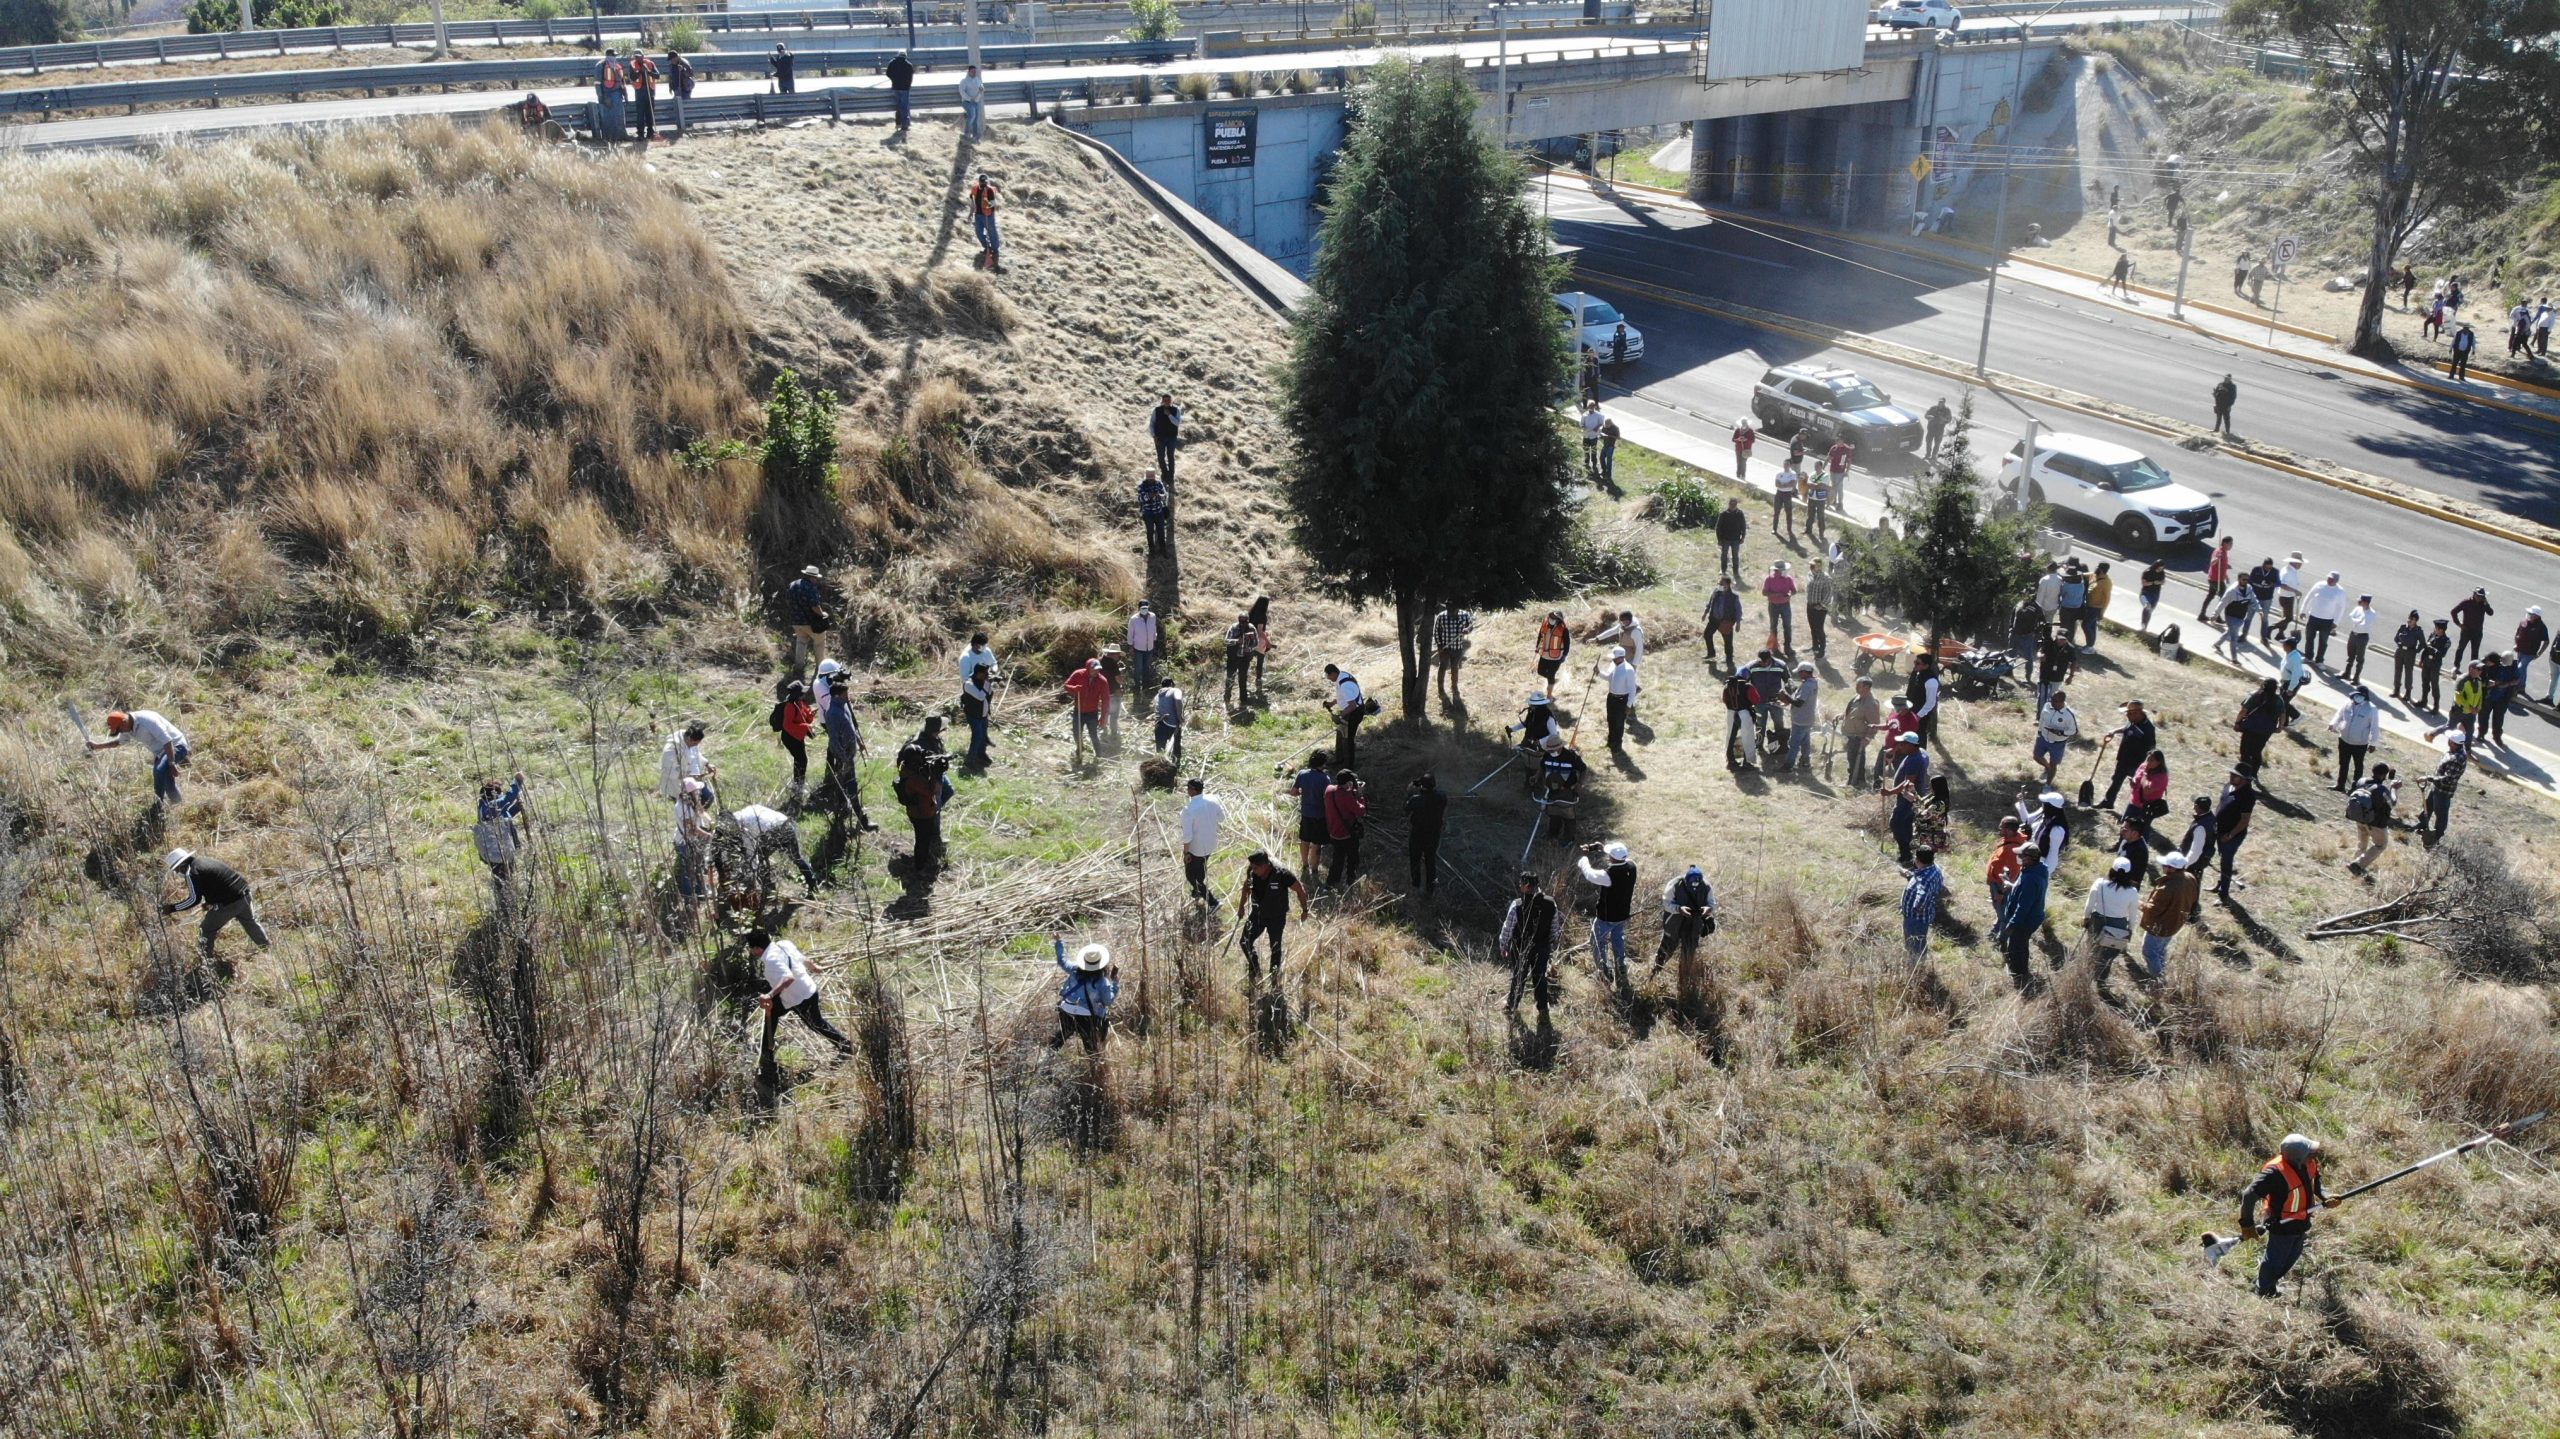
[
  {"x": 799, "y": 451},
  {"x": 1954, "y": 568},
  {"x": 1428, "y": 468},
  {"x": 1153, "y": 20},
  {"x": 36, "y": 22}
]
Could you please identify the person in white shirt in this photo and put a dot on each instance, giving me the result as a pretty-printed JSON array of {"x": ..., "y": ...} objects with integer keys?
[
  {"x": 695, "y": 828},
  {"x": 2360, "y": 625},
  {"x": 973, "y": 103},
  {"x": 2049, "y": 592},
  {"x": 2322, "y": 608},
  {"x": 978, "y": 673},
  {"x": 1202, "y": 814},
  {"x": 2048, "y": 825},
  {"x": 2057, "y": 725},
  {"x": 1142, "y": 656},
  {"x": 2288, "y": 594},
  {"x": 159, "y": 739},
  {"x": 681, "y": 760},
  {"x": 2109, "y": 915},
  {"x": 1620, "y": 676},
  {"x": 1350, "y": 706},
  {"x": 2357, "y": 727},
  {"x": 1592, "y": 421},
  {"x": 1628, "y": 631},
  {"x": 789, "y": 988},
  {"x": 751, "y": 838}
]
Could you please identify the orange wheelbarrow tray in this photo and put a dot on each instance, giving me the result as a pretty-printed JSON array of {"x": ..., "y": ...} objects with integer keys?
[{"x": 1881, "y": 648}]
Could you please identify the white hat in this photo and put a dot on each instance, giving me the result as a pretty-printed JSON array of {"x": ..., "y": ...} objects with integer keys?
[
  {"x": 1906, "y": 737},
  {"x": 2121, "y": 866},
  {"x": 1617, "y": 851},
  {"x": 809, "y": 570},
  {"x": 1804, "y": 667},
  {"x": 1093, "y": 959},
  {"x": 2173, "y": 861},
  {"x": 1617, "y": 652},
  {"x": 2333, "y": 577},
  {"x": 2051, "y": 796},
  {"x": 829, "y": 667},
  {"x": 2456, "y": 740},
  {"x": 178, "y": 857},
  {"x": 2533, "y": 609},
  {"x": 1538, "y": 697}
]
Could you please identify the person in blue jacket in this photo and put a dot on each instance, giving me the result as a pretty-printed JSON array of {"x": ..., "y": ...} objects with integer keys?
[
  {"x": 2023, "y": 914},
  {"x": 1085, "y": 996}
]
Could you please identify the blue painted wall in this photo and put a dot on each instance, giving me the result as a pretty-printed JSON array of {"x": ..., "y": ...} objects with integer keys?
[{"x": 1270, "y": 206}]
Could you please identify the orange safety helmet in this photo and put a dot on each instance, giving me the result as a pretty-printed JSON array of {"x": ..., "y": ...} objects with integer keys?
[{"x": 118, "y": 721}]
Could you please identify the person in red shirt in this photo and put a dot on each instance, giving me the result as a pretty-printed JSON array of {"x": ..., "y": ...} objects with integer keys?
[
  {"x": 2217, "y": 578},
  {"x": 794, "y": 718},
  {"x": 1744, "y": 437},
  {"x": 1092, "y": 692},
  {"x": 1346, "y": 811},
  {"x": 1840, "y": 453},
  {"x": 2002, "y": 871}
]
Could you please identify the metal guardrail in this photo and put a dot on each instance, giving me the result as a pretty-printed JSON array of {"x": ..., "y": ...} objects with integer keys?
[
  {"x": 574, "y": 69},
  {"x": 569, "y": 30}
]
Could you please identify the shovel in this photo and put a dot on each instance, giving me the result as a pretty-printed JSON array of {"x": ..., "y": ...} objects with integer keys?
[{"x": 2089, "y": 786}]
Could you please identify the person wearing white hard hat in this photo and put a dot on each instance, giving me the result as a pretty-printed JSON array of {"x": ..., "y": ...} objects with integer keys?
[
  {"x": 2171, "y": 903},
  {"x": 789, "y": 988},
  {"x": 1620, "y": 677},
  {"x": 1616, "y": 881},
  {"x": 1085, "y": 996},
  {"x": 220, "y": 892}
]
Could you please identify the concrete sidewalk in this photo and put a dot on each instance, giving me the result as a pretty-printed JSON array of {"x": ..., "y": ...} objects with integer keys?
[{"x": 2528, "y": 765}]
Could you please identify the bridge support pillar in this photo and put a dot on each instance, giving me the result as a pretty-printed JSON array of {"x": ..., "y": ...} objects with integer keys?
[
  {"x": 1750, "y": 164},
  {"x": 1709, "y": 182},
  {"x": 1796, "y": 163},
  {"x": 1904, "y": 192}
]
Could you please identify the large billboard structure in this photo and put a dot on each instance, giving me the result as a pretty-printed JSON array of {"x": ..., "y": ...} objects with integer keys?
[{"x": 1747, "y": 38}]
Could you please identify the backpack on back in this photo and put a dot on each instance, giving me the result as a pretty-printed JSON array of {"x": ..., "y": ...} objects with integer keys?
[{"x": 2360, "y": 803}]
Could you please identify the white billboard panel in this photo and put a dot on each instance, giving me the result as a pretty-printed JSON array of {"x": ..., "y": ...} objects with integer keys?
[{"x": 1784, "y": 37}]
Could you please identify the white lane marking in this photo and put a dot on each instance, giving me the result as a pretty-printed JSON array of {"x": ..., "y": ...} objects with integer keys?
[{"x": 2507, "y": 585}]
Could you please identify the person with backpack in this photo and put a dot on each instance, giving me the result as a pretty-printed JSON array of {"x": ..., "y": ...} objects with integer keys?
[
  {"x": 218, "y": 890},
  {"x": 495, "y": 833},
  {"x": 1742, "y": 734},
  {"x": 804, "y": 600},
  {"x": 610, "y": 79},
  {"x": 2369, "y": 808},
  {"x": 902, "y": 79},
  {"x": 2171, "y": 903},
  {"x": 982, "y": 215},
  {"x": 1350, "y": 705},
  {"x": 1616, "y": 881},
  {"x": 832, "y": 695},
  {"x": 790, "y": 989},
  {"x": 2107, "y": 917},
  {"x": 1085, "y": 996},
  {"x": 1723, "y": 616},
  {"x": 978, "y": 675},
  {"x": 1769, "y": 682}
]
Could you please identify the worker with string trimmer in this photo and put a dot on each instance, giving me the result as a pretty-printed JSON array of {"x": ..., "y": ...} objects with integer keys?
[{"x": 2290, "y": 1186}]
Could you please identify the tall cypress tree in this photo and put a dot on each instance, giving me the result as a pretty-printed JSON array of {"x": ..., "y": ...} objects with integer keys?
[{"x": 1428, "y": 465}]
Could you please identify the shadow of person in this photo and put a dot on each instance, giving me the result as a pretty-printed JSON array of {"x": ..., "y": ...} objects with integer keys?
[
  {"x": 1533, "y": 1049},
  {"x": 1625, "y": 764},
  {"x": 1273, "y": 1025},
  {"x": 1639, "y": 731}
]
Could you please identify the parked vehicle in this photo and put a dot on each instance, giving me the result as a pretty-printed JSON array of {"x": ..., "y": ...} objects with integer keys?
[
  {"x": 2112, "y": 486},
  {"x": 1600, "y": 322},
  {"x": 1923, "y": 15},
  {"x": 1833, "y": 404}
]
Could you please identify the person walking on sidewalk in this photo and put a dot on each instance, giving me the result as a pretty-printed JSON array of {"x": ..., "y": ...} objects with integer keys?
[
  {"x": 2225, "y": 395},
  {"x": 2120, "y": 280},
  {"x": 2431, "y": 657},
  {"x": 2532, "y": 638},
  {"x": 1935, "y": 423},
  {"x": 2154, "y": 576},
  {"x": 1744, "y": 437},
  {"x": 2471, "y": 620}
]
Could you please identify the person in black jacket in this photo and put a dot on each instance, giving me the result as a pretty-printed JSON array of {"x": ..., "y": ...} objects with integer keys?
[
  {"x": 902, "y": 78},
  {"x": 1531, "y": 928},
  {"x": 1164, "y": 426},
  {"x": 2135, "y": 739},
  {"x": 780, "y": 67},
  {"x": 1616, "y": 882},
  {"x": 1425, "y": 807},
  {"x": 220, "y": 892},
  {"x": 1731, "y": 526}
]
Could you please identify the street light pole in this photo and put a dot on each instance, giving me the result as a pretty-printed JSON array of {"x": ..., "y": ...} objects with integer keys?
[{"x": 2000, "y": 214}]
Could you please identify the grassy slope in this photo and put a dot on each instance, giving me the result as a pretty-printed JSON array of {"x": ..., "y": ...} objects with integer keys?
[{"x": 1833, "y": 1194}]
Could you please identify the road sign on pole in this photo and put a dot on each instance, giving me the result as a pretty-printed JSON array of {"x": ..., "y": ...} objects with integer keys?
[
  {"x": 2286, "y": 248},
  {"x": 1920, "y": 168}
]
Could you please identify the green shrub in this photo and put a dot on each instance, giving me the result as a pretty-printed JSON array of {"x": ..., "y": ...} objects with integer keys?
[
  {"x": 685, "y": 36},
  {"x": 799, "y": 436},
  {"x": 1359, "y": 18},
  {"x": 1195, "y": 86},
  {"x": 1611, "y": 560},
  {"x": 1682, "y": 503},
  {"x": 1153, "y": 20},
  {"x": 543, "y": 9}
]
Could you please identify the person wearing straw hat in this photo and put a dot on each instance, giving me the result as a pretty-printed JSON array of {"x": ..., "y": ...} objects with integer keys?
[
  {"x": 1085, "y": 996},
  {"x": 220, "y": 892},
  {"x": 161, "y": 740},
  {"x": 805, "y": 599},
  {"x": 1804, "y": 716},
  {"x": 1537, "y": 727},
  {"x": 789, "y": 988}
]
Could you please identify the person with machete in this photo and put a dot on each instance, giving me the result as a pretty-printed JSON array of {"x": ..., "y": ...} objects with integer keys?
[{"x": 163, "y": 741}]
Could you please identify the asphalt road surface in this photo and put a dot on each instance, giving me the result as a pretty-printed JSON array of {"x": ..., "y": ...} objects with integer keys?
[
  {"x": 2506, "y": 461},
  {"x": 1698, "y": 373}
]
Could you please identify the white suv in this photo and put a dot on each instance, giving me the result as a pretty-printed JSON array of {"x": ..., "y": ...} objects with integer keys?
[
  {"x": 1923, "y": 15},
  {"x": 1601, "y": 323},
  {"x": 2112, "y": 486}
]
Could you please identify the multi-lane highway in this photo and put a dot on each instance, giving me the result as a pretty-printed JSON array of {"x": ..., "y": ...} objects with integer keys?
[
  {"x": 2505, "y": 461},
  {"x": 1699, "y": 369}
]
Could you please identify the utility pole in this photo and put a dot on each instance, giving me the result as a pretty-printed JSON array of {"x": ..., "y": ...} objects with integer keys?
[
  {"x": 969, "y": 13},
  {"x": 442, "y": 51},
  {"x": 911, "y": 24}
]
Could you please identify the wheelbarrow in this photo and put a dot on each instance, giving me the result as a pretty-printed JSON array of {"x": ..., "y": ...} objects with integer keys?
[{"x": 1877, "y": 650}]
